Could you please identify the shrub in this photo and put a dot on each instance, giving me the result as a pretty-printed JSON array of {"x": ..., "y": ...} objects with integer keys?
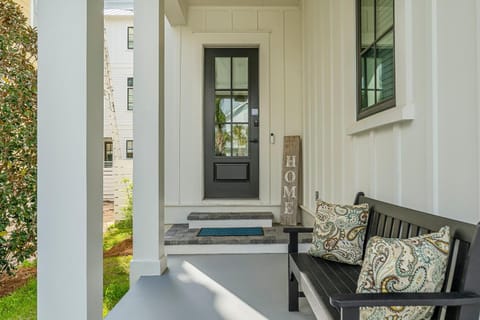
[
  {"x": 18, "y": 136},
  {"x": 127, "y": 211}
]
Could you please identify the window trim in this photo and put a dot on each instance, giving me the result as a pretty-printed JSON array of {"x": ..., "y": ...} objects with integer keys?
[
  {"x": 107, "y": 163},
  {"x": 129, "y": 89},
  {"x": 128, "y": 38},
  {"x": 386, "y": 104},
  {"x": 126, "y": 149}
]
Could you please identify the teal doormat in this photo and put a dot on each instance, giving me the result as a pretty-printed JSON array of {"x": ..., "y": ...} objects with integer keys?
[{"x": 230, "y": 232}]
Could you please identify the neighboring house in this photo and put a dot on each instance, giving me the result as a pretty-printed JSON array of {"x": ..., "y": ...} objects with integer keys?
[{"x": 118, "y": 135}]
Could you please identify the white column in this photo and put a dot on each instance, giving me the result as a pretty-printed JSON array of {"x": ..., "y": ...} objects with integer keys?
[
  {"x": 148, "y": 132},
  {"x": 70, "y": 129}
]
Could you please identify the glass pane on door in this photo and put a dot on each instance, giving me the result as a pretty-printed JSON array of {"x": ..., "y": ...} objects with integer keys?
[
  {"x": 223, "y": 139},
  {"x": 231, "y": 107},
  {"x": 240, "y": 140},
  {"x": 223, "y": 107},
  {"x": 240, "y": 106},
  {"x": 240, "y": 73},
  {"x": 222, "y": 73}
]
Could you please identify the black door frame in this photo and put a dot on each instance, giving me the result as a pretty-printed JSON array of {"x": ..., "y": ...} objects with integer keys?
[{"x": 229, "y": 189}]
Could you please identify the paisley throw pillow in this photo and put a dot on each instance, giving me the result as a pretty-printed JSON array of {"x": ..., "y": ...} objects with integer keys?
[
  {"x": 404, "y": 265},
  {"x": 339, "y": 232}
]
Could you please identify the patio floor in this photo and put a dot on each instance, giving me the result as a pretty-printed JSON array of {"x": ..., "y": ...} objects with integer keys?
[{"x": 209, "y": 287}]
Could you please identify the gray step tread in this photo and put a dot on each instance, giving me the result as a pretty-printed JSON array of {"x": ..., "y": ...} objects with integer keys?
[
  {"x": 230, "y": 216},
  {"x": 180, "y": 234}
]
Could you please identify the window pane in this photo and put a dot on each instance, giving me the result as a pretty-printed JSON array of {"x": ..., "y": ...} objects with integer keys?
[
  {"x": 130, "y": 82},
  {"x": 108, "y": 151},
  {"x": 240, "y": 106},
  {"x": 130, "y": 98},
  {"x": 130, "y": 38},
  {"x": 384, "y": 16},
  {"x": 222, "y": 73},
  {"x": 129, "y": 148},
  {"x": 367, "y": 19},
  {"x": 385, "y": 68},
  {"x": 368, "y": 79},
  {"x": 223, "y": 138},
  {"x": 240, "y": 73},
  {"x": 240, "y": 140},
  {"x": 223, "y": 107}
]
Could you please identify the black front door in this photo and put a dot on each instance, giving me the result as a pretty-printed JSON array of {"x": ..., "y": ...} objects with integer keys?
[{"x": 231, "y": 123}]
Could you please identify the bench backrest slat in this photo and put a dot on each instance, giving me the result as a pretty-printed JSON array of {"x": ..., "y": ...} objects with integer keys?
[
  {"x": 395, "y": 228},
  {"x": 388, "y": 220},
  {"x": 417, "y": 219}
]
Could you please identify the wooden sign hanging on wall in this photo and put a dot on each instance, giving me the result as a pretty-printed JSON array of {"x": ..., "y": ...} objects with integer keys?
[{"x": 291, "y": 181}]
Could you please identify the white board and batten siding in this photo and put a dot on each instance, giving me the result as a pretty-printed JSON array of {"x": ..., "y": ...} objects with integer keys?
[
  {"x": 430, "y": 163},
  {"x": 277, "y": 32}
]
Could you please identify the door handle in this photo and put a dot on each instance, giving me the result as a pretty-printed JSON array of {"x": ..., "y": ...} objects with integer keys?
[{"x": 253, "y": 140}]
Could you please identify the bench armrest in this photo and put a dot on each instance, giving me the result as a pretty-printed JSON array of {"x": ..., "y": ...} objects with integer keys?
[
  {"x": 349, "y": 304},
  {"x": 297, "y": 230},
  {"x": 404, "y": 299},
  {"x": 293, "y": 237}
]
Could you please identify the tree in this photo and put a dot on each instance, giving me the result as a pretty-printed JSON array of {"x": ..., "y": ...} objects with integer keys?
[{"x": 18, "y": 136}]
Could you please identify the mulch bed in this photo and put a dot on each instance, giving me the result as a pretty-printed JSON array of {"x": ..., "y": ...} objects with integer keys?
[
  {"x": 8, "y": 284},
  {"x": 123, "y": 248}
]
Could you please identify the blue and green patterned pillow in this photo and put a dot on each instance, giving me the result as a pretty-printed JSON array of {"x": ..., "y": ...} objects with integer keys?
[
  {"x": 404, "y": 265},
  {"x": 339, "y": 232}
]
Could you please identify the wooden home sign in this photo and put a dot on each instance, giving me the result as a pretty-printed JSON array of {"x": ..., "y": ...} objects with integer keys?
[{"x": 291, "y": 181}]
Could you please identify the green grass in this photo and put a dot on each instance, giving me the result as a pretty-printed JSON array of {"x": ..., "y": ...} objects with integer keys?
[
  {"x": 115, "y": 281},
  {"x": 116, "y": 234},
  {"x": 22, "y": 304}
]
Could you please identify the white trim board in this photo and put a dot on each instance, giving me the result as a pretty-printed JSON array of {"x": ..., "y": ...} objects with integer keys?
[
  {"x": 232, "y": 223},
  {"x": 232, "y": 248}
]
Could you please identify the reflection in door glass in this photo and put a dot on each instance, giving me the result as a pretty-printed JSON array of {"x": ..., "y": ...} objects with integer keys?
[
  {"x": 240, "y": 73},
  {"x": 240, "y": 106},
  {"x": 231, "y": 107},
  {"x": 223, "y": 138},
  {"x": 223, "y": 107},
  {"x": 240, "y": 140},
  {"x": 222, "y": 73}
]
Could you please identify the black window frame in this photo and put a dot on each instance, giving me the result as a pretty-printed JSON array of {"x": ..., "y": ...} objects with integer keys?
[
  {"x": 128, "y": 155},
  {"x": 386, "y": 104},
  {"x": 106, "y": 152},
  {"x": 130, "y": 99},
  {"x": 130, "y": 37}
]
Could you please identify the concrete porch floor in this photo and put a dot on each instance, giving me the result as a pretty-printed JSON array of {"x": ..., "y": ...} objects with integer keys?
[{"x": 209, "y": 287}]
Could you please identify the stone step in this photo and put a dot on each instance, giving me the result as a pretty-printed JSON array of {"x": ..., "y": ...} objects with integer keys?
[
  {"x": 198, "y": 220},
  {"x": 179, "y": 239}
]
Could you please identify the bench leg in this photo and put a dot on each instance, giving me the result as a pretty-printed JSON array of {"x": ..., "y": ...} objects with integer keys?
[
  {"x": 292, "y": 293},
  {"x": 350, "y": 313}
]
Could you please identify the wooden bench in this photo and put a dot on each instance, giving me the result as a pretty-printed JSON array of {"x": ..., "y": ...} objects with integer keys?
[{"x": 330, "y": 287}]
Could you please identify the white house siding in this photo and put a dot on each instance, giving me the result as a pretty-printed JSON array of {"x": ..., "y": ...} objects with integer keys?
[
  {"x": 121, "y": 67},
  {"x": 430, "y": 163},
  {"x": 279, "y": 31}
]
